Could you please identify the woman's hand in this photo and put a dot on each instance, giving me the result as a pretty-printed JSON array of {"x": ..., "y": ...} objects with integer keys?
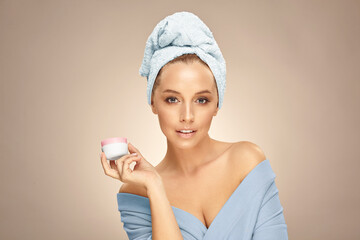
[{"x": 143, "y": 174}]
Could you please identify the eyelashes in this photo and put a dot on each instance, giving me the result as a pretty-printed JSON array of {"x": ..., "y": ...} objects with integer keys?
[{"x": 203, "y": 100}]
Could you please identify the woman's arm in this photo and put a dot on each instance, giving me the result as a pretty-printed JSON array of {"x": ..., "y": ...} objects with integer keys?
[
  {"x": 271, "y": 224},
  {"x": 164, "y": 224}
]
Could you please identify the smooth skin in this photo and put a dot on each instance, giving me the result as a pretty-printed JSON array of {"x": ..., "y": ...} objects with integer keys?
[
  {"x": 185, "y": 109},
  {"x": 191, "y": 161}
]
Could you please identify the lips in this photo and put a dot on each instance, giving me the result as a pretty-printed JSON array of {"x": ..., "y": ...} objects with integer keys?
[{"x": 186, "y": 135}]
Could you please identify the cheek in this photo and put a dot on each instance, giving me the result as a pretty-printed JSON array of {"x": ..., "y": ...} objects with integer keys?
[
  {"x": 206, "y": 118},
  {"x": 167, "y": 119}
]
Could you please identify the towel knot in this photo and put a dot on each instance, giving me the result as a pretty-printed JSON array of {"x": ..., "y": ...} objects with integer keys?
[{"x": 175, "y": 33}]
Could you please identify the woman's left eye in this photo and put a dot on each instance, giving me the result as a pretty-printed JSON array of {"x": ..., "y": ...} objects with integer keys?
[{"x": 204, "y": 99}]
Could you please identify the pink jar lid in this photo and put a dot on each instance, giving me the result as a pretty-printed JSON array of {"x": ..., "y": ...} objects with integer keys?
[{"x": 113, "y": 140}]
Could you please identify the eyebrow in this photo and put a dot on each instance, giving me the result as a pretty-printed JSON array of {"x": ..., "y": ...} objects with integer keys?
[{"x": 173, "y": 91}]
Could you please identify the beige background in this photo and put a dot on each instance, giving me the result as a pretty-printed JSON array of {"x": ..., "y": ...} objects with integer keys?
[{"x": 69, "y": 78}]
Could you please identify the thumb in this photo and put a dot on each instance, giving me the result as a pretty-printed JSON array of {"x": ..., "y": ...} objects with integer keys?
[{"x": 133, "y": 149}]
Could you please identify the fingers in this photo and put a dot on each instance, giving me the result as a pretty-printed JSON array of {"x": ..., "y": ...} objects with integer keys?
[
  {"x": 107, "y": 169},
  {"x": 123, "y": 165},
  {"x": 126, "y": 170},
  {"x": 119, "y": 169},
  {"x": 133, "y": 149}
]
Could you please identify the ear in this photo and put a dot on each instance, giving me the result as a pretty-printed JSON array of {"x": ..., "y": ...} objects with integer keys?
[{"x": 153, "y": 108}]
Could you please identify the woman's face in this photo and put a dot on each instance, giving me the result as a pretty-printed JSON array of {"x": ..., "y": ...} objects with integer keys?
[{"x": 185, "y": 99}]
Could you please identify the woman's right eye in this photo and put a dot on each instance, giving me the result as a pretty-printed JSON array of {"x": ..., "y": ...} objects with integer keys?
[{"x": 170, "y": 98}]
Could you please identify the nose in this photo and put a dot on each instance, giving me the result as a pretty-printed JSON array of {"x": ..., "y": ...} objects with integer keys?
[{"x": 186, "y": 113}]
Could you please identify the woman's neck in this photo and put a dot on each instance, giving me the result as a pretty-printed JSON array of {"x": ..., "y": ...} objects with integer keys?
[{"x": 186, "y": 161}]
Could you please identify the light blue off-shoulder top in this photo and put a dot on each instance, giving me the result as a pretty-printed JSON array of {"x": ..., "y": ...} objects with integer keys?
[{"x": 253, "y": 211}]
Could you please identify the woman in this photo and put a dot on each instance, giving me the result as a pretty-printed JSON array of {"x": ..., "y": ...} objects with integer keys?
[{"x": 203, "y": 188}]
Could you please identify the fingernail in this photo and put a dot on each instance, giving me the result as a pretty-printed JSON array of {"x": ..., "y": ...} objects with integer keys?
[{"x": 134, "y": 154}]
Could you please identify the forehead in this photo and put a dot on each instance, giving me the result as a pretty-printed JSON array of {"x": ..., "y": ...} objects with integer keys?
[{"x": 181, "y": 75}]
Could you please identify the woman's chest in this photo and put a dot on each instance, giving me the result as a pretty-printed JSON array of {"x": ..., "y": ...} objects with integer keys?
[{"x": 205, "y": 195}]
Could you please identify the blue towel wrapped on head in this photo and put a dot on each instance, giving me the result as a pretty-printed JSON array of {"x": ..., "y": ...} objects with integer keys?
[{"x": 178, "y": 34}]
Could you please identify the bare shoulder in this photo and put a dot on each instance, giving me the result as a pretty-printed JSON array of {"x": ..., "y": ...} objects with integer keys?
[
  {"x": 133, "y": 189},
  {"x": 247, "y": 154}
]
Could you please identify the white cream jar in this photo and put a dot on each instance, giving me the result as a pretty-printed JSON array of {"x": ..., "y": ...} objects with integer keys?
[{"x": 114, "y": 148}]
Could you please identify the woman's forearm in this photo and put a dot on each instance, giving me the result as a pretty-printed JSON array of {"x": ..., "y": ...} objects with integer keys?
[{"x": 164, "y": 224}]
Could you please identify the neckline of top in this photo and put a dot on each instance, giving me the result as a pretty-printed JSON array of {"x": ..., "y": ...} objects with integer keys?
[{"x": 222, "y": 208}]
